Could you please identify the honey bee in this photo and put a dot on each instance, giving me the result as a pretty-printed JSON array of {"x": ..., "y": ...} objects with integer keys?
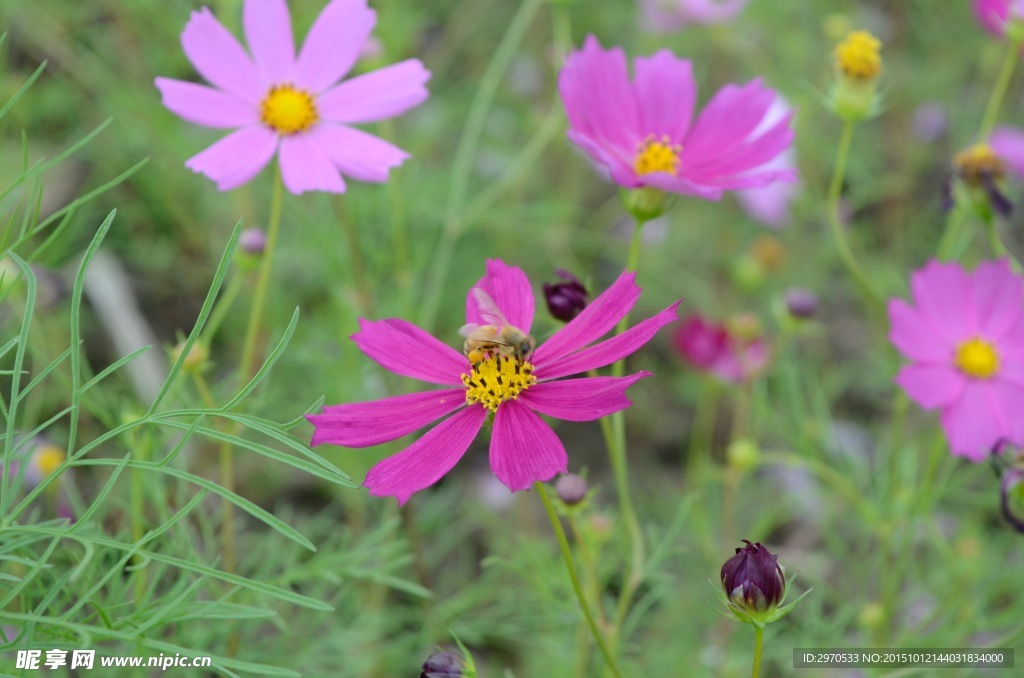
[{"x": 497, "y": 336}]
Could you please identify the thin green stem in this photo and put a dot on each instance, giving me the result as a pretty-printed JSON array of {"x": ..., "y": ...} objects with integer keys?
[
  {"x": 224, "y": 304},
  {"x": 577, "y": 588},
  {"x": 589, "y": 565},
  {"x": 614, "y": 430},
  {"x": 262, "y": 282},
  {"x": 755, "y": 670},
  {"x": 835, "y": 223},
  {"x": 355, "y": 253},
  {"x": 995, "y": 101}
]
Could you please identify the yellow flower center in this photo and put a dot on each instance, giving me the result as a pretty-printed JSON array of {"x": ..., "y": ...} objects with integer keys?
[
  {"x": 858, "y": 56},
  {"x": 657, "y": 156},
  {"x": 976, "y": 164},
  {"x": 47, "y": 459},
  {"x": 288, "y": 110},
  {"x": 497, "y": 378},
  {"x": 977, "y": 358}
]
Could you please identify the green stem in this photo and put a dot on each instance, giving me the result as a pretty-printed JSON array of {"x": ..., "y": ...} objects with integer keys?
[
  {"x": 224, "y": 304},
  {"x": 755, "y": 670},
  {"x": 577, "y": 588},
  {"x": 589, "y": 566},
  {"x": 838, "y": 232},
  {"x": 262, "y": 283},
  {"x": 248, "y": 358},
  {"x": 614, "y": 430},
  {"x": 359, "y": 276},
  {"x": 995, "y": 101}
]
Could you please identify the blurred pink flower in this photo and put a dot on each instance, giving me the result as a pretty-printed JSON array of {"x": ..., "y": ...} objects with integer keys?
[
  {"x": 770, "y": 204},
  {"x": 511, "y": 391},
  {"x": 993, "y": 15},
  {"x": 711, "y": 348},
  {"x": 290, "y": 105},
  {"x": 964, "y": 336},
  {"x": 640, "y": 132},
  {"x": 665, "y": 16},
  {"x": 1008, "y": 143}
]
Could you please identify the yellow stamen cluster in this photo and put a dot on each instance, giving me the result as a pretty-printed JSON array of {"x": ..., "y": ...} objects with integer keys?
[
  {"x": 47, "y": 459},
  {"x": 977, "y": 164},
  {"x": 288, "y": 110},
  {"x": 497, "y": 378},
  {"x": 657, "y": 156},
  {"x": 858, "y": 56},
  {"x": 977, "y": 358}
]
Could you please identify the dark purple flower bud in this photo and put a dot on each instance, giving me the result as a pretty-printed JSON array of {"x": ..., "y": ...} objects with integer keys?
[
  {"x": 565, "y": 299},
  {"x": 442, "y": 665},
  {"x": 752, "y": 579},
  {"x": 253, "y": 241},
  {"x": 1012, "y": 497},
  {"x": 571, "y": 489},
  {"x": 801, "y": 303}
]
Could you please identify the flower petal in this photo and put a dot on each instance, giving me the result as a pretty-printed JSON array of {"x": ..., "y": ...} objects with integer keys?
[
  {"x": 357, "y": 154},
  {"x": 601, "y": 105},
  {"x": 943, "y": 293},
  {"x": 596, "y": 319},
  {"x": 334, "y": 43},
  {"x": 219, "y": 58},
  {"x": 236, "y": 158},
  {"x": 268, "y": 30},
  {"x": 583, "y": 399},
  {"x": 731, "y": 116},
  {"x": 204, "y": 105},
  {"x": 524, "y": 449},
  {"x": 427, "y": 460},
  {"x": 932, "y": 386},
  {"x": 373, "y": 423},
  {"x": 306, "y": 167},
  {"x": 978, "y": 420},
  {"x": 665, "y": 87},
  {"x": 405, "y": 349},
  {"x": 914, "y": 334},
  {"x": 998, "y": 296},
  {"x": 1008, "y": 143},
  {"x": 377, "y": 95},
  {"x": 510, "y": 289},
  {"x": 610, "y": 350}
]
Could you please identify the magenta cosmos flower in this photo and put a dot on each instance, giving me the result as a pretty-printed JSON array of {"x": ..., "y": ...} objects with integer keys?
[
  {"x": 665, "y": 16},
  {"x": 965, "y": 338},
  {"x": 1008, "y": 144},
  {"x": 994, "y": 15},
  {"x": 711, "y": 348},
  {"x": 291, "y": 105},
  {"x": 514, "y": 391},
  {"x": 642, "y": 133},
  {"x": 770, "y": 204}
]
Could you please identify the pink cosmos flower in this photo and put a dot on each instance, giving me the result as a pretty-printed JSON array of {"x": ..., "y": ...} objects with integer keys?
[
  {"x": 640, "y": 132},
  {"x": 513, "y": 391},
  {"x": 711, "y": 348},
  {"x": 665, "y": 16},
  {"x": 964, "y": 336},
  {"x": 290, "y": 105},
  {"x": 993, "y": 15},
  {"x": 770, "y": 204}
]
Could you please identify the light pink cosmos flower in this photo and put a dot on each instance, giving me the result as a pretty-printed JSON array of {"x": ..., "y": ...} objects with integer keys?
[
  {"x": 770, "y": 204},
  {"x": 640, "y": 132},
  {"x": 523, "y": 448},
  {"x": 993, "y": 15},
  {"x": 665, "y": 16},
  {"x": 965, "y": 338},
  {"x": 711, "y": 348},
  {"x": 291, "y": 105}
]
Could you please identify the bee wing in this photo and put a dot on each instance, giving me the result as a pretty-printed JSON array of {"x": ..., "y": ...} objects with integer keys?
[
  {"x": 488, "y": 309},
  {"x": 468, "y": 329}
]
